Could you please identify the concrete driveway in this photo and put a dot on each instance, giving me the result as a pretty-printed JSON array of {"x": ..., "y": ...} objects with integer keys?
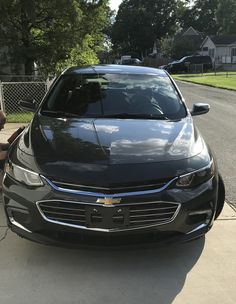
[{"x": 201, "y": 272}]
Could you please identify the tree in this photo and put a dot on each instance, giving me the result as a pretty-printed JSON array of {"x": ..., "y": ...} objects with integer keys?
[
  {"x": 179, "y": 46},
  {"x": 201, "y": 16},
  {"x": 166, "y": 47},
  {"x": 91, "y": 36},
  {"x": 38, "y": 30},
  {"x": 139, "y": 23},
  {"x": 226, "y": 16},
  {"x": 82, "y": 54},
  {"x": 53, "y": 32}
]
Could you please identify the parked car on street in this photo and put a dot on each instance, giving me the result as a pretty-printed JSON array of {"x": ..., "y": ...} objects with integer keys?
[
  {"x": 131, "y": 61},
  {"x": 112, "y": 157},
  {"x": 183, "y": 65},
  {"x": 163, "y": 67}
]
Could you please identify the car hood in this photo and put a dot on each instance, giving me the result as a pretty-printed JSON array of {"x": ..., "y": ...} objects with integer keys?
[
  {"x": 110, "y": 141},
  {"x": 110, "y": 152}
]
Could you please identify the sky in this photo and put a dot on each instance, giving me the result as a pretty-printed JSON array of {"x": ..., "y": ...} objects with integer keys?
[{"x": 114, "y": 4}]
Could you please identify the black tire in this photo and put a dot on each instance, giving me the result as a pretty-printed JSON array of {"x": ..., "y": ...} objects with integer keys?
[{"x": 221, "y": 197}]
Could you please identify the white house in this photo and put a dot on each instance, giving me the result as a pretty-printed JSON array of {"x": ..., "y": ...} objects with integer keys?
[{"x": 222, "y": 49}]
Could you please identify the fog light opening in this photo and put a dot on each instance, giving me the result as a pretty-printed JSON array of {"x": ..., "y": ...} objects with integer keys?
[
  {"x": 18, "y": 225},
  {"x": 198, "y": 216},
  {"x": 19, "y": 215}
]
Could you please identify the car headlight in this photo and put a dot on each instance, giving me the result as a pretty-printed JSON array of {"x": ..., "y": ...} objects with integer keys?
[
  {"x": 22, "y": 175},
  {"x": 196, "y": 178}
]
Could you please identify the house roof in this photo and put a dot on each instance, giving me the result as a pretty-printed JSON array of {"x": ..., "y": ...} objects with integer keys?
[
  {"x": 192, "y": 35},
  {"x": 191, "y": 32},
  {"x": 223, "y": 39},
  {"x": 196, "y": 39}
]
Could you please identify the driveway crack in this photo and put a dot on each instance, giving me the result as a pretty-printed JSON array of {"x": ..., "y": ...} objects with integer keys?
[
  {"x": 4, "y": 235},
  {"x": 231, "y": 205}
]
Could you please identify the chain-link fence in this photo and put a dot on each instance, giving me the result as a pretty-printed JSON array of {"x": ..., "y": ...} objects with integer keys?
[
  {"x": 196, "y": 68},
  {"x": 21, "y": 78},
  {"x": 12, "y": 92}
]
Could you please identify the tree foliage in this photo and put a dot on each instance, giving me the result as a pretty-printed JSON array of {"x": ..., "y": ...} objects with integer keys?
[
  {"x": 92, "y": 32},
  {"x": 178, "y": 48},
  {"x": 201, "y": 16},
  {"x": 81, "y": 54},
  {"x": 139, "y": 23},
  {"x": 51, "y": 32},
  {"x": 226, "y": 16}
]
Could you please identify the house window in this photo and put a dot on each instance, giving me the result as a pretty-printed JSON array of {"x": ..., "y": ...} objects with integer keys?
[
  {"x": 205, "y": 49},
  {"x": 212, "y": 53},
  {"x": 233, "y": 55},
  {"x": 233, "y": 52}
]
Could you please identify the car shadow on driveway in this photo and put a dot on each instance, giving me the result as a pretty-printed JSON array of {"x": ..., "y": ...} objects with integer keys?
[{"x": 47, "y": 274}]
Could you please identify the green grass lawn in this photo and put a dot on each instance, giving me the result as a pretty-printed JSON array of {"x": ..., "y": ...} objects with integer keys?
[
  {"x": 20, "y": 117},
  {"x": 219, "y": 80}
]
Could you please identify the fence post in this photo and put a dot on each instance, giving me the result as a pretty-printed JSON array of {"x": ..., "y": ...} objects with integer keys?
[{"x": 2, "y": 104}]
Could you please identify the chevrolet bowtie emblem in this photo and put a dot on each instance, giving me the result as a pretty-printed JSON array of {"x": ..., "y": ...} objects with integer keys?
[{"x": 108, "y": 201}]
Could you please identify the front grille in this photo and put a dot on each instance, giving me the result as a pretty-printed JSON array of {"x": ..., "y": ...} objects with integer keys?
[
  {"x": 113, "y": 188},
  {"x": 117, "y": 218},
  {"x": 154, "y": 213},
  {"x": 64, "y": 212}
]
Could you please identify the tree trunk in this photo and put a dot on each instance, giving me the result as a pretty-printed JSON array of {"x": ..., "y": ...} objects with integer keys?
[
  {"x": 25, "y": 32},
  {"x": 29, "y": 66}
]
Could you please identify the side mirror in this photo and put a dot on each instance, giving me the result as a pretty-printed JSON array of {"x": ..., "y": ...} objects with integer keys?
[
  {"x": 27, "y": 105},
  {"x": 200, "y": 108}
]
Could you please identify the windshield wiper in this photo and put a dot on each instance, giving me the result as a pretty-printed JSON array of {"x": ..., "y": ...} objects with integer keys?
[
  {"x": 135, "y": 116},
  {"x": 59, "y": 113}
]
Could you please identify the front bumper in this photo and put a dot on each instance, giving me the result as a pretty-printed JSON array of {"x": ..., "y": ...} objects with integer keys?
[{"x": 192, "y": 219}]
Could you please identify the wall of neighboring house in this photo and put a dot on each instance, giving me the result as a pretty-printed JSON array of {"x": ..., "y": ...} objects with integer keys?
[
  {"x": 232, "y": 48},
  {"x": 219, "y": 53},
  {"x": 223, "y": 54},
  {"x": 209, "y": 48}
]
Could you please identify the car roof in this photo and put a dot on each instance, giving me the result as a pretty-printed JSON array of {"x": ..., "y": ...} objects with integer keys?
[{"x": 114, "y": 69}]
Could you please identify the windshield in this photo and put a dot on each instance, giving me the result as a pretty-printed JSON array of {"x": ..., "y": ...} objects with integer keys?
[
  {"x": 183, "y": 59},
  {"x": 104, "y": 95}
]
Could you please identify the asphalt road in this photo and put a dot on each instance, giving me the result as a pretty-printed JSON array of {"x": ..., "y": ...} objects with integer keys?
[{"x": 218, "y": 128}]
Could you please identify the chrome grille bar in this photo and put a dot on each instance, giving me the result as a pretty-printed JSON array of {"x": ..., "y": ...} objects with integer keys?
[
  {"x": 154, "y": 209},
  {"x": 112, "y": 188},
  {"x": 150, "y": 214},
  {"x": 100, "y": 193},
  {"x": 63, "y": 213},
  {"x": 146, "y": 221}
]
